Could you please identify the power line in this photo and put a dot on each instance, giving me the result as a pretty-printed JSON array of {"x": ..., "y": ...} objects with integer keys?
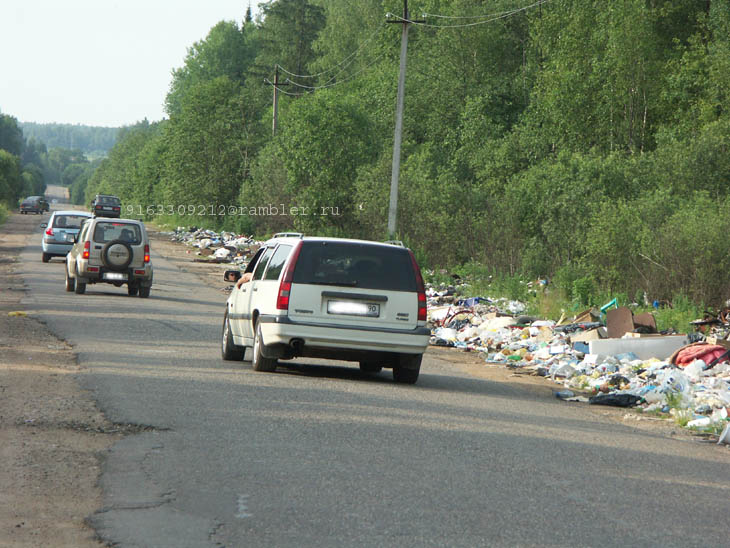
[
  {"x": 351, "y": 55},
  {"x": 505, "y": 12},
  {"x": 490, "y": 18},
  {"x": 338, "y": 82}
]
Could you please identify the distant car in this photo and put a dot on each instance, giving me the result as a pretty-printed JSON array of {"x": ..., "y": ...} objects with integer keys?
[
  {"x": 33, "y": 204},
  {"x": 331, "y": 298},
  {"x": 55, "y": 241},
  {"x": 113, "y": 251},
  {"x": 105, "y": 205}
]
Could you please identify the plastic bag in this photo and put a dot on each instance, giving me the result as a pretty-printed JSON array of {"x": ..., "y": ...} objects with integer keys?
[{"x": 615, "y": 400}]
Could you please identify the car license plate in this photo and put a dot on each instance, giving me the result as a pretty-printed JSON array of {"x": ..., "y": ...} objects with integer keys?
[
  {"x": 352, "y": 308},
  {"x": 107, "y": 208},
  {"x": 116, "y": 276}
]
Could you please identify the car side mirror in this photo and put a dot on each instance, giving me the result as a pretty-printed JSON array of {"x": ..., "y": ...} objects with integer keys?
[
  {"x": 232, "y": 276},
  {"x": 44, "y": 225}
]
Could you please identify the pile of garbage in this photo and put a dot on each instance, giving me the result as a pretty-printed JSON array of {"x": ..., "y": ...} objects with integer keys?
[
  {"x": 216, "y": 247},
  {"x": 692, "y": 385}
]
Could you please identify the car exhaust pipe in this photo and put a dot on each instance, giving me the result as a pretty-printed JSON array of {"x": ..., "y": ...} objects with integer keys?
[{"x": 297, "y": 345}]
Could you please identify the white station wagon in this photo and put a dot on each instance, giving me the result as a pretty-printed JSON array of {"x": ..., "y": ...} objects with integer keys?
[{"x": 331, "y": 298}]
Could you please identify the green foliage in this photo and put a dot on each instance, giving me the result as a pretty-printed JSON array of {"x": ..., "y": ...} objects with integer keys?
[
  {"x": 3, "y": 213},
  {"x": 677, "y": 314},
  {"x": 11, "y": 136},
  {"x": 11, "y": 182},
  {"x": 224, "y": 52}
]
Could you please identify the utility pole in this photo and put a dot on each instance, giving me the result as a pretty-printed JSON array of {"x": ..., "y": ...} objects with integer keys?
[
  {"x": 393, "y": 207},
  {"x": 276, "y": 85}
]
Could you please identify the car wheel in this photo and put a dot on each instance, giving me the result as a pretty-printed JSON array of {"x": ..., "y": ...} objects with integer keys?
[
  {"x": 407, "y": 369},
  {"x": 45, "y": 257},
  {"x": 370, "y": 367},
  {"x": 70, "y": 282},
  {"x": 80, "y": 288},
  {"x": 144, "y": 292},
  {"x": 229, "y": 350},
  {"x": 132, "y": 290},
  {"x": 261, "y": 363}
]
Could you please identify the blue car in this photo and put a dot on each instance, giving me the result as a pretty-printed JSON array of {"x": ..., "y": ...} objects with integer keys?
[{"x": 56, "y": 243}]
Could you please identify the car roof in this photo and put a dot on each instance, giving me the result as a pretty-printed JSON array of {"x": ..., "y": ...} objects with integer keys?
[
  {"x": 291, "y": 239},
  {"x": 72, "y": 212},
  {"x": 117, "y": 220}
]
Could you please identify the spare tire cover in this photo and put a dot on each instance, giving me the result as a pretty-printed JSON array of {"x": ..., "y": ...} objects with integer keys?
[{"x": 117, "y": 255}]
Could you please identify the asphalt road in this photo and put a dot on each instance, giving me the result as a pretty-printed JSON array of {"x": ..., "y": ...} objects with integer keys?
[{"x": 316, "y": 455}]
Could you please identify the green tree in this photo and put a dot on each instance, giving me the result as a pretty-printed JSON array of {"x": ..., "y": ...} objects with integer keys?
[
  {"x": 11, "y": 182},
  {"x": 224, "y": 52},
  {"x": 11, "y": 136},
  {"x": 207, "y": 154},
  {"x": 323, "y": 144}
]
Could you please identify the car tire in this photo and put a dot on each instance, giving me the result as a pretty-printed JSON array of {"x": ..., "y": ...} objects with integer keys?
[
  {"x": 261, "y": 363},
  {"x": 80, "y": 288},
  {"x": 407, "y": 369},
  {"x": 144, "y": 292},
  {"x": 117, "y": 267},
  {"x": 132, "y": 290},
  {"x": 370, "y": 367},
  {"x": 70, "y": 282},
  {"x": 229, "y": 350},
  {"x": 45, "y": 257}
]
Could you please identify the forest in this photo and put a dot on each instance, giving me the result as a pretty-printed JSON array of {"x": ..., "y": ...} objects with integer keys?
[
  {"x": 93, "y": 141},
  {"x": 580, "y": 141},
  {"x": 28, "y": 165}
]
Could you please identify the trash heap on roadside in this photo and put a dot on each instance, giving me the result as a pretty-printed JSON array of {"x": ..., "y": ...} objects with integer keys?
[
  {"x": 607, "y": 357},
  {"x": 216, "y": 247}
]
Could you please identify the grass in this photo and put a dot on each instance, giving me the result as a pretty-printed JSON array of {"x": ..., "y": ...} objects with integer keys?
[{"x": 4, "y": 212}]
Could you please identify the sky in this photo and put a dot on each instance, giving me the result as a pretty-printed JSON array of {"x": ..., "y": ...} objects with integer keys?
[{"x": 99, "y": 62}]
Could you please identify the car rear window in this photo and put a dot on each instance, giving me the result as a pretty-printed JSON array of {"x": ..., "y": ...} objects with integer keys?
[
  {"x": 108, "y": 200},
  {"x": 68, "y": 221},
  {"x": 106, "y": 232},
  {"x": 352, "y": 264}
]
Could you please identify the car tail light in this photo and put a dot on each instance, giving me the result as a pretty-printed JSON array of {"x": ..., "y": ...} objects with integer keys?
[
  {"x": 93, "y": 269},
  {"x": 49, "y": 231},
  {"x": 141, "y": 272},
  {"x": 420, "y": 288},
  {"x": 282, "y": 299},
  {"x": 116, "y": 209},
  {"x": 147, "y": 253},
  {"x": 87, "y": 249}
]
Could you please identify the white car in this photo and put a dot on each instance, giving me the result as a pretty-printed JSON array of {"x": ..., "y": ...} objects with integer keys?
[{"x": 331, "y": 298}]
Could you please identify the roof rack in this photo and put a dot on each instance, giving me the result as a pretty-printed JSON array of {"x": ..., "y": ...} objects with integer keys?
[{"x": 288, "y": 235}]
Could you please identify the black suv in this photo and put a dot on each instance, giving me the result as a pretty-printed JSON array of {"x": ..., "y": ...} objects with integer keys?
[{"x": 105, "y": 205}]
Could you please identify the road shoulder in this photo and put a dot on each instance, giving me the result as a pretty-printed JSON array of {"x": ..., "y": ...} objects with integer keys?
[{"x": 53, "y": 436}]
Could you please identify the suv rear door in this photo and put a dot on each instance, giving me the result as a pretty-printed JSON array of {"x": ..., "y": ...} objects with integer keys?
[
  {"x": 106, "y": 231},
  {"x": 354, "y": 284}
]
